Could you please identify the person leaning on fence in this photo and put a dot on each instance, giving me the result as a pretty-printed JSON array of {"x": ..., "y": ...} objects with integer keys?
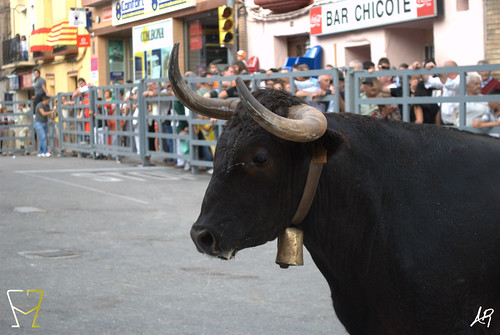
[
  {"x": 166, "y": 124},
  {"x": 492, "y": 117},
  {"x": 109, "y": 110},
  {"x": 449, "y": 83},
  {"x": 488, "y": 83},
  {"x": 207, "y": 88},
  {"x": 419, "y": 113},
  {"x": 370, "y": 91},
  {"x": 41, "y": 119},
  {"x": 52, "y": 128},
  {"x": 232, "y": 91},
  {"x": 473, "y": 110},
  {"x": 8, "y": 145},
  {"x": 182, "y": 128},
  {"x": 313, "y": 94},
  {"x": 83, "y": 91},
  {"x": 152, "y": 91},
  {"x": 303, "y": 83},
  {"x": 239, "y": 66}
]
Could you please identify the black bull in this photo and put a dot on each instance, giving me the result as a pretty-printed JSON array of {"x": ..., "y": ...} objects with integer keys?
[{"x": 403, "y": 224}]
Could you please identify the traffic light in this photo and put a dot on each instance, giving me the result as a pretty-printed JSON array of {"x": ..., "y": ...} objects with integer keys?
[{"x": 226, "y": 25}]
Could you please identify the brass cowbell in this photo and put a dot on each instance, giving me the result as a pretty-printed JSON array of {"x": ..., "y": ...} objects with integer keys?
[{"x": 290, "y": 248}]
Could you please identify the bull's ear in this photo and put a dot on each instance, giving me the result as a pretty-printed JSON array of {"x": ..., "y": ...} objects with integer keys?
[{"x": 332, "y": 141}]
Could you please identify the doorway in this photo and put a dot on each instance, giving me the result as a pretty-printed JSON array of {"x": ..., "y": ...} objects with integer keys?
[{"x": 297, "y": 45}]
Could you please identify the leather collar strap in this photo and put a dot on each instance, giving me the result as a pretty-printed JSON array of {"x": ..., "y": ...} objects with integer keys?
[{"x": 315, "y": 168}]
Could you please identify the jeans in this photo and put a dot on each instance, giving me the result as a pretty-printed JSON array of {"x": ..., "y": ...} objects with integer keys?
[
  {"x": 41, "y": 131},
  {"x": 167, "y": 142}
]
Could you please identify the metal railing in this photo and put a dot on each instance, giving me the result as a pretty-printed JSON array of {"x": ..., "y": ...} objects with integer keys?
[
  {"x": 123, "y": 127},
  {"x": 17, "y": 134}
]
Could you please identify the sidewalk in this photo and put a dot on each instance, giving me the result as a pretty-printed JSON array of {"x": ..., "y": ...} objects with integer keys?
[{"x": 109, "y": 246}]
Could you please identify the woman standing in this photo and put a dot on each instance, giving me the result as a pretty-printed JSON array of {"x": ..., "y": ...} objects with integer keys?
[{"x": 42, "y": 111}]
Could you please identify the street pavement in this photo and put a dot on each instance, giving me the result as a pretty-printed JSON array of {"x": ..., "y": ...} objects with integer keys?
[{"x": 109, "y": 246}]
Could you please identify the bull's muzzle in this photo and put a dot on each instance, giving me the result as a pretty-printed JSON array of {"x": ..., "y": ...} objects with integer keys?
[{"x": 206, "y": 243}]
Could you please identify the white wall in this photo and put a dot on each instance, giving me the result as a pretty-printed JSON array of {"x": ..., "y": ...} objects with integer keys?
[{"x": 460, "y": 35}]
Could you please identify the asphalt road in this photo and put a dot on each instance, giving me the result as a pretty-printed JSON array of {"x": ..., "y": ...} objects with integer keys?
[{"x": 109, "y": 246}]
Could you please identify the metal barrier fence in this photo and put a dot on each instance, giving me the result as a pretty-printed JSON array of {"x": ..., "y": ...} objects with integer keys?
[
  {"x": 131, "y": 124},
  {"x": 17, "y": 133}
]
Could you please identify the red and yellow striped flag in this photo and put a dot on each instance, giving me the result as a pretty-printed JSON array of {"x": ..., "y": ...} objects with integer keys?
[
  {"x": 62, "y": 34},
  {"x": 38, "y": 40}
]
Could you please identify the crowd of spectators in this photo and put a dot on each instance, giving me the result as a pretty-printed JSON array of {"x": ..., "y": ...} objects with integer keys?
[{"x": 318, "y": 92}]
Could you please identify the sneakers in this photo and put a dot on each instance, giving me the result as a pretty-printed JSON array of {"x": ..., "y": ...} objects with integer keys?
[{"x": 44, "y": 155}]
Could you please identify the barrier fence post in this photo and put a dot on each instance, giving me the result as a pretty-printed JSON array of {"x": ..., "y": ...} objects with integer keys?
[{"x": 143, "y": 124}]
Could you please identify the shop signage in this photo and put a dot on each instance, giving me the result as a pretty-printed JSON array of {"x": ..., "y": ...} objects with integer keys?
[
  {"x": 195, "y": 35},
  {"x": 83, "y": 40},
  {"x": 107, "y": 14},
  {"x": 78, "y": 17},
  {"x": 152, "y": 43},
  {"x": 125, "y": 11},
  {"x": 348, "y": 15}
]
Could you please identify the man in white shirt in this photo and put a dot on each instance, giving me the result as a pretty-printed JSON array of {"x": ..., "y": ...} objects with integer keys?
[{"x": 450, "y": 84}]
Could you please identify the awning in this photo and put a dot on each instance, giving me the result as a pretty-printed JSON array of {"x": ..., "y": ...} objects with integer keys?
[
  {"x": 62, "y": 34},
  {"x": 38, "y": 40}
]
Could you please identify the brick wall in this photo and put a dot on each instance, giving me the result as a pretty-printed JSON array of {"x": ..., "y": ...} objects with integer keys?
[{"x": 492, "y": 42}]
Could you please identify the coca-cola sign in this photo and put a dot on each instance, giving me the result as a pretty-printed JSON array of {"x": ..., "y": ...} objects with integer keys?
[
  {"x": 348, "y": 15},
  {"x": 315, "y": 18},
  {"x": 425, "y": 7}
]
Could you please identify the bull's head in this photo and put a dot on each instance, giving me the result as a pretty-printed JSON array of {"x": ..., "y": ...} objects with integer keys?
[{"x": 260, "y": 164}]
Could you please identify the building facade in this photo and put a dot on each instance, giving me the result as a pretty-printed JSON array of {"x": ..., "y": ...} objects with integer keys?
[
  {"x": 462, "y": 30},
  {"x": 133, "y": 39},
  {"x": 52, "y": 46},
  {"x": 128, "y": 40}
]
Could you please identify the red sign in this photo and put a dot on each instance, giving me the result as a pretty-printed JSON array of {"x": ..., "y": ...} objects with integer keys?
[
  {"x": 83, "y": 40},
  {"x": 195, "y": 35},
  {"x": 196, "y": 43},
  {"x": 107, "y": 14},
  {"x": 195, "y": 28},
  {"x": 315, "y": 18},
  {"x": 425, "y": 8}
]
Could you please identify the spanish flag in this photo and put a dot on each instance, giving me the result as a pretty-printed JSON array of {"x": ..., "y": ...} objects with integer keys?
[
  {"x": 62, "y": 34},
  {"x": 38, "y": 40}
]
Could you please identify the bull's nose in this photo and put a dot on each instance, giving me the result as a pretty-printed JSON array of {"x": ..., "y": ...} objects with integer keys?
[{"x": 204, "y": 241}]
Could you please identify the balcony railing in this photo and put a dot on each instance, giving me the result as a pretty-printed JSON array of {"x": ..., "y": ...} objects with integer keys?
[{"x": 12, "y": 52}]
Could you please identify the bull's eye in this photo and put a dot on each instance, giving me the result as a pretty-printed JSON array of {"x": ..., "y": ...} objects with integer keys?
[{"x": 260, "y": 159}]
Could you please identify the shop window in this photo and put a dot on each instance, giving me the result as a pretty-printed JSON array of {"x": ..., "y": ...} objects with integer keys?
[
  {"x": 462, "y": 5},
  {"x": 203, "y": 43}
]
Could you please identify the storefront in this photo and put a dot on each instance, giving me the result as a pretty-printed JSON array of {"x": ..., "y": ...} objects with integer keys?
[
  {"x": 402, "y": 30},
  {"x": 132, "y": 39}
]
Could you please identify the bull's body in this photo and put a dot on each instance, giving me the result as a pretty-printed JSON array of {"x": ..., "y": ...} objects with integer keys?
[
  {"x": 403, "y": 225},
  {"x": 405, "y": 230}
]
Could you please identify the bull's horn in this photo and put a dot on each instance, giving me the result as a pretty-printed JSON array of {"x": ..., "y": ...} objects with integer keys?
[
  {"x": 304, "y": 123},
  {"x": 215, "y": 108}
]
